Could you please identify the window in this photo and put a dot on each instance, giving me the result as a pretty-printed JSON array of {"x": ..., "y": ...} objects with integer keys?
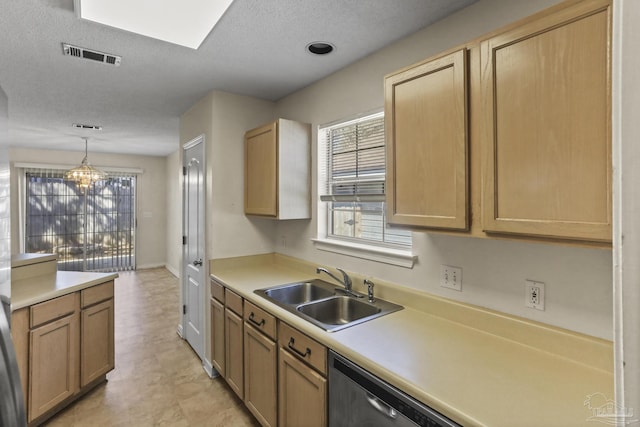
[
  {"x": 352, "y": 179},
  {"x": 89, "y": 232}
]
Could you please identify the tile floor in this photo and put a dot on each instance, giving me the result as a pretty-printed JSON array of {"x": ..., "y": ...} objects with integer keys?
[{"x": 158, "y": 380}]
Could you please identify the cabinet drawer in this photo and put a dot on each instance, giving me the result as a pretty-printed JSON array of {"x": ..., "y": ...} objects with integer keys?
[
  {"x": 217, "y": 291},
  {"x": 52, "y": 309},
  {"x": 233, "y": 301},
  {"x": 96, "y": 294},
  {"x": 260, "y": 319},
  {"x": 303, "y": 347}
]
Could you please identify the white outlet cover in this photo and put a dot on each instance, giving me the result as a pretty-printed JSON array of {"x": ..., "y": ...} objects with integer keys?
[
  {"x": 451, "y": 277},
  {"x": 534, "y": 294}
]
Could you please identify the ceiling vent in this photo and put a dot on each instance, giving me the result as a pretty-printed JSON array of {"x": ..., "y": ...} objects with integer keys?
[
  {"x": 83, "y": 126},
  {"x": 94, "y": 55}
]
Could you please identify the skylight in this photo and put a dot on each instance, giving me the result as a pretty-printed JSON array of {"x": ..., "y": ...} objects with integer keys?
[{"x": 183, "y": 22}]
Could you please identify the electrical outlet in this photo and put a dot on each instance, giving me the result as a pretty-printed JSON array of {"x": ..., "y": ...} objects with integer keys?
[
  {"x": 534, "y": 295},
  {"x": 451, "y": 277}
]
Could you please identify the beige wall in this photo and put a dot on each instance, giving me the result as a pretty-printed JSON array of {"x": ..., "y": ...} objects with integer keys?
[
  {"x": 626, "y": 157},
  {"x": 223, "y": 119},
  {"x": 173, "y": 184},
  {"x": 5, "y": 200},
  {"x": 151, "y": 196},
  {"x": 578, "y": 280}
]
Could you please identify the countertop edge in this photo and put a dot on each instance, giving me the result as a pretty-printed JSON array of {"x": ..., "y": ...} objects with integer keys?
[{"x": 42, "y": 288}]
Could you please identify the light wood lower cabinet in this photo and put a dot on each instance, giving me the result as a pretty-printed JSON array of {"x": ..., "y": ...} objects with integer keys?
[
  {"x": 302, "y": 383},
  {"x": 64, "y": 346},
  {"x": 234, "y": 352},
  {"x": 97, "y": 353},
  {"x": 260, "y": 375},
  {"x": 54, "y": 364},
  {"x": 217, "y": 336}
]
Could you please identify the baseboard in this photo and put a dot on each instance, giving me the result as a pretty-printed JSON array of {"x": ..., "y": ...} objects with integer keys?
[
  {"x": 179, "y": 330},
  {"x": 172, "y": 270},
  {"x": 149, "y": 266},
  {"x": 208, "y": 368}
]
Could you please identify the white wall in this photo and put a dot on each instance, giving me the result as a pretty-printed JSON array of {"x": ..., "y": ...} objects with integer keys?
[
  {"x": 5, "y": 199},
  {"x": 151, "y": 196},
  {"x": 578, "y": 280},
  {"x": 626, "y": 104},
  {"x": 224, "y": 118},
  {"x": 173, "y": 178}
]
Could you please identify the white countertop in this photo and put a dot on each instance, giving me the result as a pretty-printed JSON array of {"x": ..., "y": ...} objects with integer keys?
[
  {"x": 472, "y": 376},
  {"x": 36, "y": 289}
]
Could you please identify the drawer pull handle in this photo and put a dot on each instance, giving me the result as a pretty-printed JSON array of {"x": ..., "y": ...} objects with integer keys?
[
  {"x": 291, "y": 346},
  {"x": 255, "y": 322}
]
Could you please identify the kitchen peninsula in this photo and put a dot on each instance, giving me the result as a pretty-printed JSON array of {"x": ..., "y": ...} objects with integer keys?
[{"x": 62, "y": 327}]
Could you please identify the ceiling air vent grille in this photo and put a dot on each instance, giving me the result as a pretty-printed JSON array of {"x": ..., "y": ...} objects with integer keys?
[{"x": 81, "y": 52}]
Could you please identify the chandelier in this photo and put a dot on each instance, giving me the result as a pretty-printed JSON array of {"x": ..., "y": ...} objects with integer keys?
[{"x": 85, "y": 174}]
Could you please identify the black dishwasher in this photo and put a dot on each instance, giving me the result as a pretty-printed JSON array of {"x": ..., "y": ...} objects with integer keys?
[{"x": 357, "y": 398}]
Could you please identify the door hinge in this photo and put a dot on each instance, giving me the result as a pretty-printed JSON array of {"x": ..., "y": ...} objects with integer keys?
[
  {"x": 184, "y": 170},
  {"x": 184, "y": 309},
  {"x": 184, "y": 240}
]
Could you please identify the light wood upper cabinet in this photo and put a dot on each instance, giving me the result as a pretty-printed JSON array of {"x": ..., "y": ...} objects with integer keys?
[
  {"x": 277, "y": 170},
  {"x": 547, "y": 126},
  {"x": 426, "y": 137}
]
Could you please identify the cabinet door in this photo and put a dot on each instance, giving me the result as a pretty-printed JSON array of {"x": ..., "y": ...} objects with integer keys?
[
  {"x": 302, "y": 394},
  {"x": 547, "y": 147},
  {"x": 53, "y": 364},
  {"x": 260, "y": 375},
  {"x": 217, "y": 336},
  {"x": 97, "y": 342},
  {"x": 20, "y": 337},
  {"x": 260, "y": 171},
  {"x": 234, "y": 352},
  {"x": 426, "y": 130}
]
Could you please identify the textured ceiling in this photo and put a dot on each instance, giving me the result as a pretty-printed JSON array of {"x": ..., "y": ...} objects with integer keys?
[{"x": 257, "y": 49}]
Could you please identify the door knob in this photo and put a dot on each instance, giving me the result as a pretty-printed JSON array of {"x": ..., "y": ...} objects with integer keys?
[{"x": 197, "y": 263}]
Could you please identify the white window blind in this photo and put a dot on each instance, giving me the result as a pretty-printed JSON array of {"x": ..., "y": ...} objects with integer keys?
[
  {"x": 356, "y": 160},
  {"x": 89, "y": 231},
  {"x": 353, "y": 168}
]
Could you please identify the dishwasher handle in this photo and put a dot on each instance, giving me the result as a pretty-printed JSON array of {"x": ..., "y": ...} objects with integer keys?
[{"x": 382, "y": 407}]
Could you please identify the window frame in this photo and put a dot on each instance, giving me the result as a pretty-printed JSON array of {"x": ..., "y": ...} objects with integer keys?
[{"x": 377, "y": 250}]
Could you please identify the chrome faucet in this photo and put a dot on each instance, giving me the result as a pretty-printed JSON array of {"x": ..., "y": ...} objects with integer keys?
[{"x": 346, "y": 280}]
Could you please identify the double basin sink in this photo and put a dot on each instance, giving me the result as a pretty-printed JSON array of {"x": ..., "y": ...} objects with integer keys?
[{"x": 326, "y": 305}]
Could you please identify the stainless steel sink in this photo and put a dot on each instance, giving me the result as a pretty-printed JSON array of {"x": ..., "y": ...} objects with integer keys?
[
  {"x": 325, "y": 305},
  {"x": 339, "y": 310},
  {"x": 298, "y": 293}
]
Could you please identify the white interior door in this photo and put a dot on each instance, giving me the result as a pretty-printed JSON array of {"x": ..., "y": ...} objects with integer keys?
[{"x": 193, "y": 261}]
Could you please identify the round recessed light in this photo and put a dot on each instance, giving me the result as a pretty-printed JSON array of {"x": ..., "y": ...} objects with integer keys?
[{"x": 320, "y": 48}]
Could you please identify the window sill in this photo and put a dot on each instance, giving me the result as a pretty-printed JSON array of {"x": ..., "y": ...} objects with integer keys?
[{"x": 398, "y": 257}]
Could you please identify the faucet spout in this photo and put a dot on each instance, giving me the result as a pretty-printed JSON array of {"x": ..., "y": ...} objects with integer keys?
[{"x": 345, "y": 281}]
